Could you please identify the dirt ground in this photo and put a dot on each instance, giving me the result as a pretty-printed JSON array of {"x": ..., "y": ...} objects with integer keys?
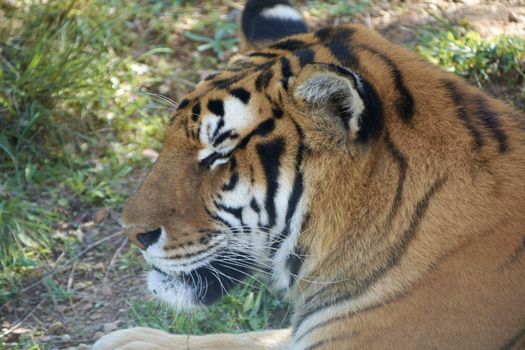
[{"x": 103, "y": 278}]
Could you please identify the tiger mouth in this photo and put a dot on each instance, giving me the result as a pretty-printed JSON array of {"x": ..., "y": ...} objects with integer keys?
[{"x": 209, "y": 282}]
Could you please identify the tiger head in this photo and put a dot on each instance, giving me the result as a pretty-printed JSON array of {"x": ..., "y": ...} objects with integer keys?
[
  {"x": 256, "y": 157},
  {"x": 313, "y": 161}
]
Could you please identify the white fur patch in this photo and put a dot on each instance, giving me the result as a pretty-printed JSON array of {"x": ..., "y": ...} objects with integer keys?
[
  {"x": 239, "y": 196},
  {"x": 174, "y": 292},
  {"x": 282, "y": 276},
  {"x": 238, "y": 116},
  {"x": 282, "y": 11},
  {"x": 156, "y": 249},
  {"x": 238, "y": 119}
]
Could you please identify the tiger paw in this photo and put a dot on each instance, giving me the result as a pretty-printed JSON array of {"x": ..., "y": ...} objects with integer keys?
[{"x": 140, "y": 338}]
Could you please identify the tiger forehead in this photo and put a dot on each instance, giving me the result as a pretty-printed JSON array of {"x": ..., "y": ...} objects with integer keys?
[
  {"x": 276, "y": 63},
  {"x": 256, "y": 71},
  {"x": 265, "y": 74},
  {"x": 241, "y": 82}
]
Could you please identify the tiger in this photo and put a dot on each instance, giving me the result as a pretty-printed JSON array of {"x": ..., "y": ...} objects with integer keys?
[{"x": 382, "y": 196}]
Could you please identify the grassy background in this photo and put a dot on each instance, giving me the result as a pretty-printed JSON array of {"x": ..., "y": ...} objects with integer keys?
[{"x": 86, "y": 88}]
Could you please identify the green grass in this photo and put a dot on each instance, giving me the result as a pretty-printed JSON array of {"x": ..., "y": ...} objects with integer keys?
[
  {"x": 79, "y": 102},
  {"x": 224, "y": 39},
  {"x": 337, "y": 8},
  {"x": 75, "y": 113},
  {"x": 464, "y": 52},
  {"x": 24, "y": 343},
  {"x": 248, "y": 307}
]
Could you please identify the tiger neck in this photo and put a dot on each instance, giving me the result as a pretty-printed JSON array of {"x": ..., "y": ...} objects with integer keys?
[{"x": 394, "y": 226}]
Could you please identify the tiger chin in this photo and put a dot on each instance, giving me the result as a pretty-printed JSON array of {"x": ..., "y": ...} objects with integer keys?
[{"x": 381, "y": 195}]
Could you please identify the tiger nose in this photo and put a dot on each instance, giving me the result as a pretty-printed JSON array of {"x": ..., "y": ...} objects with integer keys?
[{"x": 143, "y": 239}]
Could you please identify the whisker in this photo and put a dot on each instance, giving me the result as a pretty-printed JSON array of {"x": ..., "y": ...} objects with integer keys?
[{"x": 163, "y": 98}]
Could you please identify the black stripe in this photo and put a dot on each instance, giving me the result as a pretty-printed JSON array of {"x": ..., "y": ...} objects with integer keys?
[
  {"x": 241, "y": 94},
  {"x": 403, "y": 166},
  {"x": 490, "y": 120},
  {"x": 232, "y": 182},
  {"x": 294, "y": 263},
  {"x": 240, "y": 66},
  {"x": 317, "y": 326},
  {"x": 270, "y": 155},
  {"x": 220, "y": 124},
  {"x": 183, "y": 104},
  {"x": 329, "y": 34},
  {"x": 295, "y": 196},
  {"x": 514, "y": 340},
  {"x": 342, "y": 318},
  {"x": 462, "y": 114},
  {"x": 372, "y": 118},
  {"x": 211, "y": 76},
  {"x": 404, "y": 105},
  {"x": 277, "y": 112},
  {"x": 195, "y": 111},
  {"x": 395, "y": 253},
  {"x": 188, "y": 255},
  {"x": 289, "y": 45},
  {"x": 263, "y": 54},
  {"x": 235, "y": 212},
  {"x": 342, "y": 53},
  {"x": 262, "y": 129},
  {"x": 324, "y": 34},
  {"x": 263, "y": 80},
  {"x": 264, "y": 66},
  {"x": 216, "y": 107},
  {"x": 224, "y": 136},
  {"x": 217, "y": 218},
  {"x": 293, "y": 201},
  {"x": 255, "y": 206},
  {"x": 212, "y": 158},
  {"x": 344, "y": 71},
  {"x": 225, "y": 83},
  {"x": 286, "y": 71},
  {"x": 306, "y": 56},
  {"x": 337, "y": 40}
]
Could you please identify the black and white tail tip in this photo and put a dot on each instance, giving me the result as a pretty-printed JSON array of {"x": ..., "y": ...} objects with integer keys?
[{"x": 270, "y": 20}]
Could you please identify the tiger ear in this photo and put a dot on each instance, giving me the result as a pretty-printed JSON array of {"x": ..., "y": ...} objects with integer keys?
[{"x": 330, "y": 94}]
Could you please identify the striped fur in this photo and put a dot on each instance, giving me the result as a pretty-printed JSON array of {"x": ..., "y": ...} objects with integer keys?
[{"x": 381, "y": 195}]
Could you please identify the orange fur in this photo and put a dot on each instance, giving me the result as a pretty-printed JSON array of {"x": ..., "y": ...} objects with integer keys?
[{"x": 420, "y": 231}]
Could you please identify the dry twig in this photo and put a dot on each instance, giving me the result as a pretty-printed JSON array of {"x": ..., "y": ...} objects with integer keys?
[
  {"x": 114, "y": 259},
  {"x": 19, "y": 323}
]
